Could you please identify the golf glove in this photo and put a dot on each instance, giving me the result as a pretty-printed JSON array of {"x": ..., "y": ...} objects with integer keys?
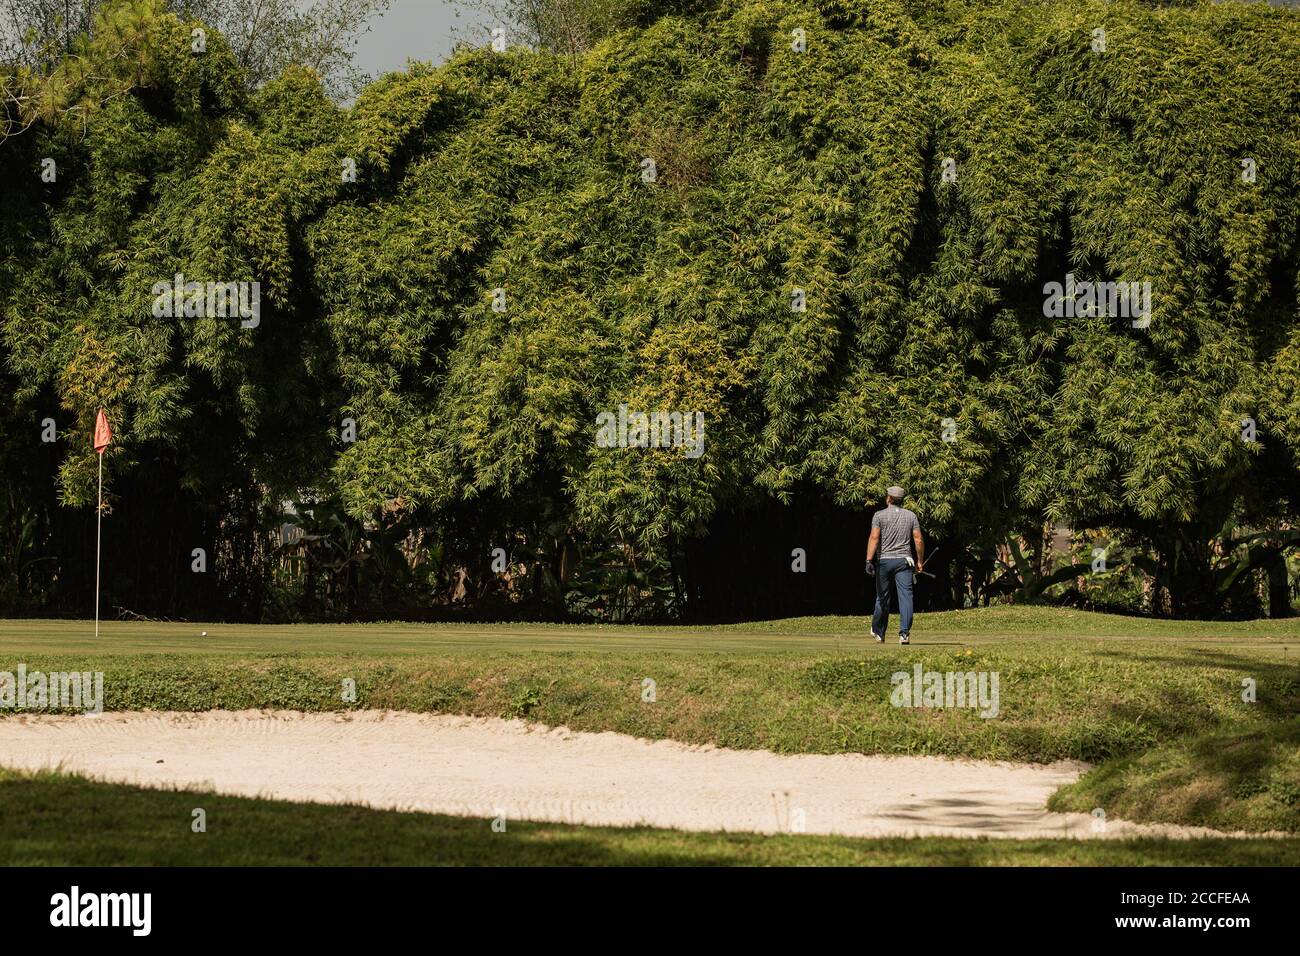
[{"x": 871, "y": 568}]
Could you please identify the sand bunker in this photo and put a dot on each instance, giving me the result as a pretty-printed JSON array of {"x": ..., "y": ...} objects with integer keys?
[{"x": 482, "y": 767}]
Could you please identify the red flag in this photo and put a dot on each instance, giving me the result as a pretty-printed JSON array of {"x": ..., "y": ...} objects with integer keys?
[{"x": 103, "y": 434}]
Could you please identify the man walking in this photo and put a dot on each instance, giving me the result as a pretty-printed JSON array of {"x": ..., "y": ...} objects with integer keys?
[{"x": 894, "y": 532}]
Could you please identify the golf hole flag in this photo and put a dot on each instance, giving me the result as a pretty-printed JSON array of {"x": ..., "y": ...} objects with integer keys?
[{"x": 103, "y": 433}]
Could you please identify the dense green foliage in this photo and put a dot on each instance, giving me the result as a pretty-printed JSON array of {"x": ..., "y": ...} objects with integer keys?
[
  {"x": 264, "y": 36},
  {"x": 820, "y": 169}
]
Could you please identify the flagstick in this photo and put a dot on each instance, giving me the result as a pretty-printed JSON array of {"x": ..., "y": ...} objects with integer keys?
[{"x": 99, "y": 524}]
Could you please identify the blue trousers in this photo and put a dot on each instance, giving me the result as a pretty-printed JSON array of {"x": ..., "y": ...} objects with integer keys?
[{"x": 893, "y": 574}]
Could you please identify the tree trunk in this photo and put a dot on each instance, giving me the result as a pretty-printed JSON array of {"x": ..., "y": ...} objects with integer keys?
[
  {"x": 1190, "y": 583},
  {"x": 1279, "y": 585}
]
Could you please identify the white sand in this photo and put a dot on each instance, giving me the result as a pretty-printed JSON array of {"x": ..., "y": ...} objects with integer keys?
[{"x": 479, "y": 767}]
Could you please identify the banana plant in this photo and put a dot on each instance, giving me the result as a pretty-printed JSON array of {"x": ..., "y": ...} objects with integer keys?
[
  {"x": 21, "y": 566},
  {"x": 1023, "y": 583},
  {"x": 348, "y": 557},
  {"x": 1238, "y": 557}
]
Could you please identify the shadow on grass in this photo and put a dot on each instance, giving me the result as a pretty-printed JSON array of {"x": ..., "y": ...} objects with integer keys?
[
  {"x": 1242, "y": 780},
  {"x": 48, "y": 819},
  {"x": 1277, "y": 684}
]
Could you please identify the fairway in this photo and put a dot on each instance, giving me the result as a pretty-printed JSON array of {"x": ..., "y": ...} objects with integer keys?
[{"x": 834, "y": 635}]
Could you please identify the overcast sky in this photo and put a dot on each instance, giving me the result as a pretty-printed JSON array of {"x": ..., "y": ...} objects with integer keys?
[{"x": 417, "y": 30}]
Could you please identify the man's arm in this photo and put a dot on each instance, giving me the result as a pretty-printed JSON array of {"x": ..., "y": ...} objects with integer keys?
[
  {"x": 873, "y": 542},
  {"x": 920, "y": 549}
]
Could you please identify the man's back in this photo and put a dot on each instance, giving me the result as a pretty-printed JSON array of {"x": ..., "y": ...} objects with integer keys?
[{"x": 896, "y": 526}]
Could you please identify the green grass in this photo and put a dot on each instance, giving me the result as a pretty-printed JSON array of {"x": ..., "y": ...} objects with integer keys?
[
  {"x": 812, "y": 634},
  {"x": 1059, "y": 698},
  {"x": 54, "y": 820},
  {"x": 1235, "y": 781}
]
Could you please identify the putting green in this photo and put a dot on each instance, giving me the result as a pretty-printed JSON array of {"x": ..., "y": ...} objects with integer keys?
[{"x": 840, "y": 635}]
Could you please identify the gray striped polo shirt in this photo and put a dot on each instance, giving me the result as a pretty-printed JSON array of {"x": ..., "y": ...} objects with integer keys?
[{"x": 896, "y": 526}]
